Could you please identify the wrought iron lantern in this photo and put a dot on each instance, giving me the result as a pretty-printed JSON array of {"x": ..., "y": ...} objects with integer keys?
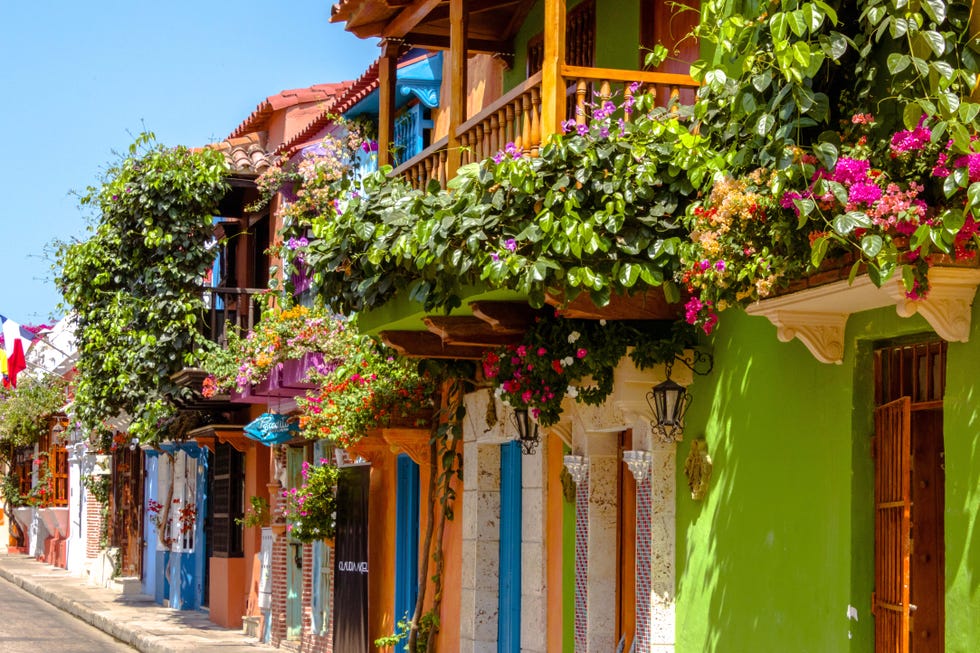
[
  {"x": 670, "y": 400},
  {"x": 527, "y": 430}
]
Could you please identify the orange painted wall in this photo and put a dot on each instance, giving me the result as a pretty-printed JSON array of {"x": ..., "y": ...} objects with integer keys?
[
  {"x": 484, "y": 84},
  {"x": 227, "y": 599}
]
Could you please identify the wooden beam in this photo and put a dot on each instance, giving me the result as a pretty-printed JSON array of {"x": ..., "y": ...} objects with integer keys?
[
  {"x": 552, "y": 83},
  {"x": 649, "y": 305},
  {"x": 505, "y": 317},
  {"x": 479, "y": 46},
  {"x": 422, "y": 344},
  {"x": 469, "y": 331},
  {"x": 409, "y": 17},
  {"x": 387, "y": 77},
  {"x": 457, "y": 82}
]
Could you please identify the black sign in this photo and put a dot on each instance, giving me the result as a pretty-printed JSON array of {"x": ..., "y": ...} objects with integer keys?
[{"x": 350, "y": 595}]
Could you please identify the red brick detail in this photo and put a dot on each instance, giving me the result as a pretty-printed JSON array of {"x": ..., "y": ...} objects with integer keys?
[
  {"x": 93, "y": 525},
  {"x": 278, "y": 630}
]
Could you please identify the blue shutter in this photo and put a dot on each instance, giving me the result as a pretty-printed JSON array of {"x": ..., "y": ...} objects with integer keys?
[{"x": 509, "y": 607}]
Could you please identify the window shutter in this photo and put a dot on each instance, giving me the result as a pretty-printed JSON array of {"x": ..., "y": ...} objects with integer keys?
[
  {"x": 227, "y": 501},
  {"x": 893, "y": 526}
]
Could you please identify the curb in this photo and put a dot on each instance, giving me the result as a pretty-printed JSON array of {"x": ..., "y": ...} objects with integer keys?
[
  {"x": 125, "y": 634},
  {"x": 138, "y": 638}
]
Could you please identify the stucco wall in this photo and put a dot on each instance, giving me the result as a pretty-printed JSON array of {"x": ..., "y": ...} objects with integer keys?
[{"x": 782, "y": 545}]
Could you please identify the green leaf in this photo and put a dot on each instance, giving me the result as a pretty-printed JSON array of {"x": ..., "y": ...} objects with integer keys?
[
  {"x": 762, "y": 81},
  {"x": 628, "y": 274},
  {"x": 818, "y": 251},
  {"x": 935, "y": 41},
  {"x": 765, "y": 124},
  {"x": 911, "y": 115},
  {"x": 845, "y": 224},
  {"x": 897, "y": 62},
  {"x": 935, "y": 9},
  {"x": 797, "y": 22},
  {"x": 826, "y": 153},
  {"x": 871, "y": 244}
]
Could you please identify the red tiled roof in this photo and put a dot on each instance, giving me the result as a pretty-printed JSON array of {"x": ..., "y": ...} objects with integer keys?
[
  {"x": 256, "y": 121},
  {"x": 344, "y": 100},
  {"x": 246, "y": 154}
]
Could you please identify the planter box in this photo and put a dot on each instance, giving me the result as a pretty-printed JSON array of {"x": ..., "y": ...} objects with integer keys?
[
  {"x": 269, "y": 388},
  {"x": 294, "y": 371}
]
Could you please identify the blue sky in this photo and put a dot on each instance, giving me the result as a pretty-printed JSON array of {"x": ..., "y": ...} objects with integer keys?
[{"x": 78, "y": 80}]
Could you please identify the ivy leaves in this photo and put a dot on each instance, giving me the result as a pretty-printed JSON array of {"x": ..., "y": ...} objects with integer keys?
[{"x": 134, "y": 285}]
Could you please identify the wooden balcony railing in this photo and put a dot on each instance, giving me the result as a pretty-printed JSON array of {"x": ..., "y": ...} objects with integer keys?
[
  {"x": 230, "y": 308},
  {"x": 516, "y": 116}
]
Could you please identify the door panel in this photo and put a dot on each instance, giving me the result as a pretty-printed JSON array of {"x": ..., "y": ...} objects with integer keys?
[{"x": 893, "y": 526}]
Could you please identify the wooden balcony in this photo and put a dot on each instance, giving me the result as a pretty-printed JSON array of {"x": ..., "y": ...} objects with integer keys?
[
  {"x": 229, "y": 309},
  {"x": 516, "y": 116}
]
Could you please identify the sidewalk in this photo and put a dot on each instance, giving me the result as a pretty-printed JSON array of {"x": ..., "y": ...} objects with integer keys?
[{"x": 135, "y": 620}]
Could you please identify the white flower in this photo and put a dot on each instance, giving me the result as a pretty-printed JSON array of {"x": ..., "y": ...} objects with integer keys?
[
  {"x": 572, "y": 391},
  {"x": 602, "y": 323},
  {"x": 498, "y": 392},
  {"x": 573, "y": 336},
  {"x": 568, "y": 360}
]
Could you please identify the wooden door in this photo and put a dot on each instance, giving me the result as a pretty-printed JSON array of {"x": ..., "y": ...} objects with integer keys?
[
  {"x": 127, "y": 509},
  {"x": 625, "y": 548},
  {"x": 671, "y": 24},
  {"x": 928, "y": 560},
  {"x": 893, "y": 526}
]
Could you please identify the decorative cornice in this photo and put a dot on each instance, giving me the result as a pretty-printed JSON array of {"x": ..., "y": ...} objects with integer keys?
[
  {"x": 638, "y": 463},
  {"x": 414, "y": 442},
  {"x": 373, "y": 449},
  {"x": 577, "y": 466},
  {"x": 426, "y": 90},
  {"x": 818, "y": 316}
]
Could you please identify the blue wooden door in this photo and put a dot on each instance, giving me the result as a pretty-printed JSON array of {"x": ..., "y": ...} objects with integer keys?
[
  {"x": 509, "y": 608},
  {"x": 294, "y": 552},
  {"x": 407, "y": 538}
]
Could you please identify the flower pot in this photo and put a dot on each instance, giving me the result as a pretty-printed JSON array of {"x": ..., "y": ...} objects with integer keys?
[{"x": 278, "y": 529}]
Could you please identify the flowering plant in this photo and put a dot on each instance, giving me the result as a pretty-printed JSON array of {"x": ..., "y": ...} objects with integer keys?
[
  {"x": 560, "y": 358},
  {"x": 310, "y": 510},
  {"x": 363, "y": 386},
  {"x": 896, "y": 200},
  {"x": 740, "y": 245},
  {"x": 186, "y": 520},
  {"x": 280, "y": 335},
  {"x": 42, "y": 491}
]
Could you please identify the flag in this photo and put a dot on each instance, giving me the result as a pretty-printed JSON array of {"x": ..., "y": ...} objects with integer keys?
[{"x": 14, "y": 337}]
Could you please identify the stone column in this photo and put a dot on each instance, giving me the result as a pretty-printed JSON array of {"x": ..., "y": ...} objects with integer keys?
[
  {"x": 639, "y": 464},
  {"x": 534, "y": 555},
  {"x": 578, "y": 468},
  {"x": 481, "y": 529}
]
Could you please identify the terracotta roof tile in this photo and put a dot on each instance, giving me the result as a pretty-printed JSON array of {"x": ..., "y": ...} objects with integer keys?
[
  {"x": 256, "y": 121},
  {"x": 246, "y": 154},
  {"x": 344, "y": 101}
]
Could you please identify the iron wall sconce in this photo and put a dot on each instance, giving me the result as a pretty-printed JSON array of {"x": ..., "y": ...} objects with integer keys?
[
  {"x": 669, "y": 400},
  {"x": 527, "y": 431}
]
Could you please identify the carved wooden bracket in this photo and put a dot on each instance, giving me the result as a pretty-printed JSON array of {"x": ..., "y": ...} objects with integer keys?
[{"x": 818, "y": 316}]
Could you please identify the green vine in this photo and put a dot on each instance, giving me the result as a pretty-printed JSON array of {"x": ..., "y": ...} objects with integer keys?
[
  {"x": 26, "y": 409},
  {"x": 134, "y": 285}
]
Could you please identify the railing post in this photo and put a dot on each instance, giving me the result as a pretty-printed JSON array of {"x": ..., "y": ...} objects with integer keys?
[
  {"x": 387, "y": 77},
  {"x": 552, "y": 82},
  {"x": 457, "y": 82}
]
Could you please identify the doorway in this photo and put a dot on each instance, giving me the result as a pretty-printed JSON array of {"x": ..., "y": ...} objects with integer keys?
[{"x": 909, "y": 594}]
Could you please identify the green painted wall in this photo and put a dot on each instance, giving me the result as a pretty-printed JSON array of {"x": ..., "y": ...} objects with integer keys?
[
  {"x": 783, "y": 543},
  {"x": 617, "y": 37}
]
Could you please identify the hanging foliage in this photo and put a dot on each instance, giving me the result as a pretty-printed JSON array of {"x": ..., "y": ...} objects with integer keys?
[{"x": 133, "y": 286}]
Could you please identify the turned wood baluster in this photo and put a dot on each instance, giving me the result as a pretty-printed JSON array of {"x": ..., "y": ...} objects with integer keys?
[
  {"x": 494, "y": 134},
  {"x": 526, "y": 124},
  {"x": 675, "y": 94},
  {"x": 581, "y": 90},
  {"x": 466, "y": 142},
  {"x": 442, "y": 169},
  {"x": 502, "y": 139},
  {"x": 605, "y": 92},
  {"x": 509, "y": 135},
  {"x": 429, "y": 172},
  {"x": 627, "y": 94},
  {"x": 535, "y": 121}
]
